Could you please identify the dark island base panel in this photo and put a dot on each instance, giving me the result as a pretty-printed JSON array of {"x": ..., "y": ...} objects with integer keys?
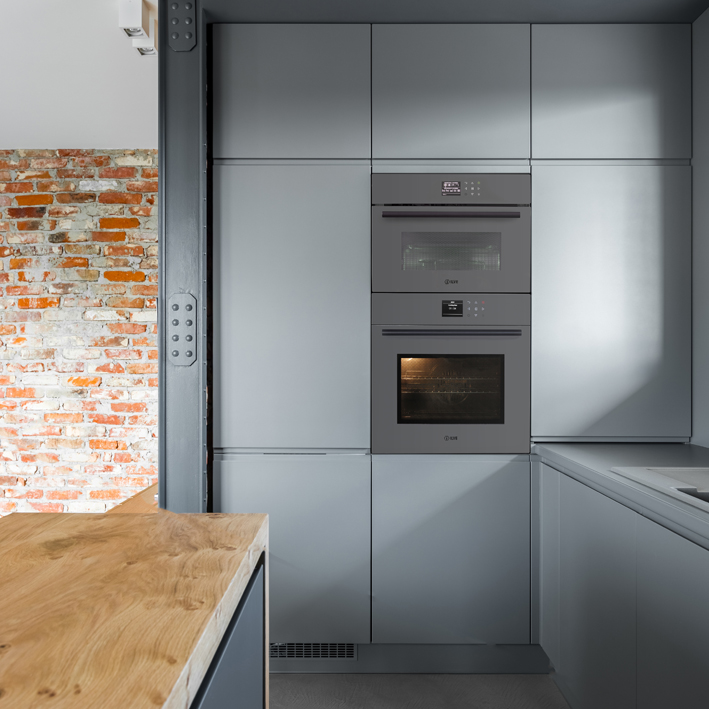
[{"x": 428, "y": 659}]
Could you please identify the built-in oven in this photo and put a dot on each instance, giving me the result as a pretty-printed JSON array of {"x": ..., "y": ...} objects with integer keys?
[
  {"x": 463, "y": 233},
  {"x": 450, "y": 374}
]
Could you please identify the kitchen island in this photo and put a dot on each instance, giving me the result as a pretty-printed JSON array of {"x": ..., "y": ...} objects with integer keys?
[{"x": 133, "y": 610}]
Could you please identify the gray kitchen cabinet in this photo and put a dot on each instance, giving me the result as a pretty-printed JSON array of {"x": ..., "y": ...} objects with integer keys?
[
  {"x": 450, "y": 91},
  {"x": 597, "y": 599},
  {"x": 549, "y": 564},
  {"x": 291, "y": 306},
  {"x": 611, "y": 91},
  {"x": 319, "y": 522},
  {"x": 673, "y": 620},
  {"x": 291, "y": 91},
  {"x": 450, "y": 549},
  {"x": 611, "y": 312}
]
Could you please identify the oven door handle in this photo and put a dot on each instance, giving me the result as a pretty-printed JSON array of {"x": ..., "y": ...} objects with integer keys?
[
  {"x": 462, "y": 332},
  {"x": 454, "y": 214}
]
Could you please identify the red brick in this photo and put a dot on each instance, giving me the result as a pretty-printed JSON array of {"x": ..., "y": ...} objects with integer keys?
[
  {"x": 142, "y": 368},
  {"x": 108, "y": 341},
  {"x": 15, "y": 393},
  {"x": 152, "y": 354},
  {"x": 62, "y": 211},
  {"x": 73, "y": 263},
  {"x": 141, "y": 211},
  {"x": 107, "y": 419},
  {"x": 19, "y": 263},
  {"x": 150, "y": 173},
  {"x": 31, "y": 200},
  {"x": 63, "y": 418},
  {"x": 49, "y": 163},
  {"x": 122, "y": 407},
  {"x": 75, "y": 152},
  {"x": 49, "y": 302},
  {"x": 126, "y": 328},
  {"x": 6, "y": 432},
  {"x": 35, "y": 224},
  {"x": 80, "y": 198},
  {"x": 97, "y": 161},
  {"x": 111, "y": 368},
  {"x": 7, "y": 506},
  {"x": 117, "y": 173},
  {"x": 48, "y": 506},
  {"x": 124, "y": 275},
  {"x": 72, "y": 173},
  {"x": 119, "y": 198},
  {"x": 84, "y": 381},
  {"x": 62, "y": 494},
  {"x": 124, "y": 354},
  {"x": 103, "y": 444},
  {"x": 124, "y": 250},
  {"x": 119, "y": 302},
  {"x": 7, "y": 480},
  {"x": 142, "y": 186},
  {"x": 43, "y": 153},
  {"x": 34, "y": 199},
  {"x": 26, "y": 212},
  {"x": 6, "y": 251},
  {"x": 14, "y": 164},
  {"x": 25, "y": 290},
  {"x": 16, "y": 187},
  {"x": 33, "y": 175},
  {"x": 25, "y": 494},
  {"x": 119, "y": 223},
  {"x": 108, "y": 235},
  {"x": 7, "y": 329},
  {"x": 106, "y": 494}
]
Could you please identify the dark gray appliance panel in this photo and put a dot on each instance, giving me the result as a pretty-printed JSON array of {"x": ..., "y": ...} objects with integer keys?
[
  {"x": 413, "y": 251},
  {"x": 450, "y": 549},
  {"x": 475, "y": 188},
  {"x": 292, "y": 91},
  {"x": 426, "y": 309},
  {"x": 450, "y": 91}
]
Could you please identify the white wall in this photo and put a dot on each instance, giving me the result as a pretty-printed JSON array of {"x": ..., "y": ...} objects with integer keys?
[
  {"x": 700, "y": 231},
  {"x": 70, "y": 78}
]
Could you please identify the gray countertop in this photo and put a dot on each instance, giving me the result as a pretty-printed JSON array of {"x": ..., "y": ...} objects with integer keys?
[{"x": 591, "y": 463}]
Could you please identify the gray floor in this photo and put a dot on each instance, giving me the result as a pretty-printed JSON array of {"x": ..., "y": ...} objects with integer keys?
[{"x": 359, "y": 691}]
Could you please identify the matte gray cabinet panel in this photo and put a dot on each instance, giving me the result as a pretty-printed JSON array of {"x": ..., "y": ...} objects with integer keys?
[
  {"x": 597, "y": 598},
  {"x": 292, "y": 306},
  {"x": 549, "y": 562},
  {"x": 450, "y": 549},
  {"x": 319, "y": 522},
  {"x": 673, "y": 620},
  {"x": 291, "y": 91},
  {"x": 611, "y": 91},
  {"x": 450, "y": 91},
  {"x": 611, "y": 312}
]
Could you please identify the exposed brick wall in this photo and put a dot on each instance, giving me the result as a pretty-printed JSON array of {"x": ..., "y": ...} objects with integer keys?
[{"x": 78, "y": 332}]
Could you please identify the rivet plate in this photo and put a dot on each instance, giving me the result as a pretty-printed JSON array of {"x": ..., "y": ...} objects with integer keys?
[{"x": 182, "y": 329}]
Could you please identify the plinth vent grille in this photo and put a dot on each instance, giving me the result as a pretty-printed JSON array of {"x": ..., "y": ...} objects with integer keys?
[{"x": 313, "y": 651}]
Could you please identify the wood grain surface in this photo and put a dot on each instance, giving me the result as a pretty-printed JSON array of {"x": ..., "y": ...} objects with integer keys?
[
  {"x": 122, "y": 610},
  {"x": 143, "y": 502}
]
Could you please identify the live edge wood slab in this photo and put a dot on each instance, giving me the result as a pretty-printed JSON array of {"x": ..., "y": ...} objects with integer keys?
[{"x": 118, "y": 610}]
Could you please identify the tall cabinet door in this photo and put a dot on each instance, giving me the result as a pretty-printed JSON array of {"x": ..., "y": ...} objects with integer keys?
[
  {"x": 611, "y": 313},
  {"x": 450, "y": 549},
  {"x": 319, "y": 529},
  {"x": 611, "y": 91},
  {"x": 292, "y": 306},
  {"x": 291, "y": 91},
  {"x": 450, "y": 91}
]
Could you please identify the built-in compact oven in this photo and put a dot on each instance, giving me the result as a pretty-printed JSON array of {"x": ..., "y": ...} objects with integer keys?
[
  {"x": 439, "y": 233},
  {"x": 450, "y": 373}
]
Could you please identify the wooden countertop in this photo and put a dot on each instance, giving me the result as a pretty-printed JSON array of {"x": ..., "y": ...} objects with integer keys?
[{"x": 121, "y": 610}]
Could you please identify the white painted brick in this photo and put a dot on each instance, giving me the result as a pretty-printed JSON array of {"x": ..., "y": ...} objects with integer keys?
[{"x": 97, "y": 185}]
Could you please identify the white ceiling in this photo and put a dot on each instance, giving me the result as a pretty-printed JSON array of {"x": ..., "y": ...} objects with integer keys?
[{"x": 71, "y": 78}]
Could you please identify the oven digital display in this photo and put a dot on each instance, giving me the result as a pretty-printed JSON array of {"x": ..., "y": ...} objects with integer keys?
[
  {"x": 452, "y": 308},
  {"x": 450, "y": 188}
]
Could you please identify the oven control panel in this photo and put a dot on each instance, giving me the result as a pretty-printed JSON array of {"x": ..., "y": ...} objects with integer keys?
[
  {"x": 461, "y": 188},
  {"x": 473, "y": 308},
  {"x": 466, "y": 309}
]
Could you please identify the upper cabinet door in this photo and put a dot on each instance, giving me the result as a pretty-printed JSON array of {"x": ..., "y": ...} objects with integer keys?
[
  {"x": 450, "y": 91},
  {"x": 291, "y": 91},
  {"x": 611, "y": 91}
]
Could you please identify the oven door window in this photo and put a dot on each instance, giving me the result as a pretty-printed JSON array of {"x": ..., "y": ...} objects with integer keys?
[
  {"x": 450, "y": 251},
  {"x": 451, "y": 389}
]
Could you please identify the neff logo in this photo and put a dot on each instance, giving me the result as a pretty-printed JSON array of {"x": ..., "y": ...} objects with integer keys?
[
  {"x": 450, "y": 438},
  {"x": 450, "y": 281}
]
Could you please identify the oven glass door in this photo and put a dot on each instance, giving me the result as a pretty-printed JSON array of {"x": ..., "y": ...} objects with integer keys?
[
  {"x": 456, "y": 249},
  {"x": 450, "y": 390}
]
